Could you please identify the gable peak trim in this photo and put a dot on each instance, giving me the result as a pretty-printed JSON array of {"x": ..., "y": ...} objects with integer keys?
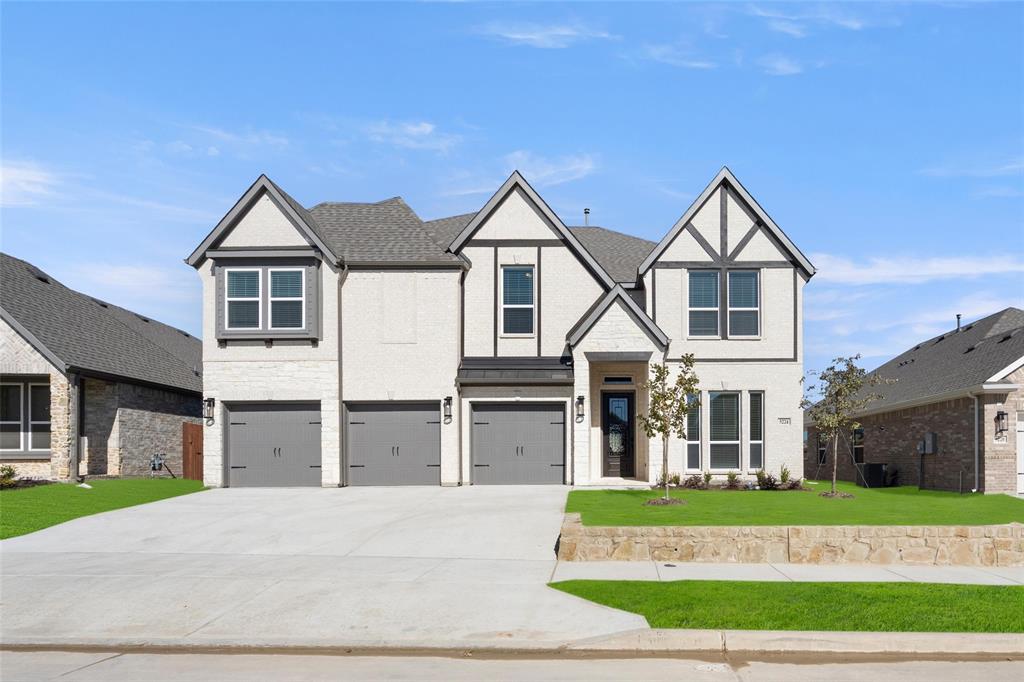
[{"x": 594, "y": 315}]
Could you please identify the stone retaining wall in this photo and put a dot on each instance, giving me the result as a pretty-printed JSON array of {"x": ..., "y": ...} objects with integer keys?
[{"x": 939, "y": 545}]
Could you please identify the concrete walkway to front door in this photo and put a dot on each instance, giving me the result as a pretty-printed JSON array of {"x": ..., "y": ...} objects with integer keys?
[{"x": 430, "y": 566}]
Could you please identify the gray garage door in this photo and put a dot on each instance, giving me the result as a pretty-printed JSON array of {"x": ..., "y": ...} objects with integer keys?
[
  {"x": 274, "y": 444},
  {"x": 394, "y": 444},
  {"x": 518, "y": 443}
]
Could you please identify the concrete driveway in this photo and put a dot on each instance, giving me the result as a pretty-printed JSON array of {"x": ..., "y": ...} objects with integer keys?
[{"x": 318, "y": 567}]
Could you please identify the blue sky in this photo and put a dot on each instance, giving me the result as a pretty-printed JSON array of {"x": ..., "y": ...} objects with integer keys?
[{"x": 886, "y": 140}]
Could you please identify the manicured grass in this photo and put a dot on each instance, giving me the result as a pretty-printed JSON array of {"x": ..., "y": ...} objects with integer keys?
[
  {"x": 875, "y": 506},
  {"x": 26, "y": 510},
  {"x": 874, "y": 607}
]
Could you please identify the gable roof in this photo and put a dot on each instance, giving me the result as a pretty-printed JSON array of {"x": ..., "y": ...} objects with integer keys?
[
  {"x": 616, "y": 293},
  {"x": 981, "y": 352},
  {"x": 517, "y": 181},
  {"x": 292, "y": 209},
  {"x": 77, "y": 332},
  {"x": 726, "y": 176},
  {"x": 620, "y": 254}
]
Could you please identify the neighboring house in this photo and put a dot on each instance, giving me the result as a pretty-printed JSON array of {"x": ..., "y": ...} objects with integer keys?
[
  {"x": 86, "y": 387},
  {"x": 354, "y": 344},
  {"x": 952, "y": 419}
]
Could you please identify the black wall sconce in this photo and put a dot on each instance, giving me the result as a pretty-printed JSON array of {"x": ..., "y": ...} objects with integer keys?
[
  {"x": 208, "y": 405},
  {"x": 448, "y": 410},
  {"x": 1002, "y": 422},
  {"x": 579, "y": 408}
]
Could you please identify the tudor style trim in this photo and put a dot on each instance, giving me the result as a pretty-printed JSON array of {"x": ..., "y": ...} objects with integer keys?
[
  {"x": 516, "y": 180},
  {"x": 726, "y": 176},
  {"x": 592, "y": 317},
  {"x": 262, "y": 185}
]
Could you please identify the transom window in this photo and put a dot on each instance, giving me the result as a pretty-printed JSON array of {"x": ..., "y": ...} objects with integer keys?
[
  {"x": 243, "y": 291},
  {"x": 517, "y": 301},
  {"x": 744, "y": 303},
  {"x": 756, "y": 430},
  {"x": 693, "y": 433},
  {"x": 703, "y": 303},
  {"x": 25, "y": 417},
  {"x": 287, "y": 300},
  {"x": 725, "y": 430}
]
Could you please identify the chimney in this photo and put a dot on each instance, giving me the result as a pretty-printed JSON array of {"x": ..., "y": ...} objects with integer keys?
[
  {"x": 586, "y": 216},
  {"x": 958, "y": 322}
]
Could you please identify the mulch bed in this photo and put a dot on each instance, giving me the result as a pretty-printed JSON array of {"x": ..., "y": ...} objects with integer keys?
[
  {"x": 661, "y": 501},
  {"x": 25, "y": 483}
]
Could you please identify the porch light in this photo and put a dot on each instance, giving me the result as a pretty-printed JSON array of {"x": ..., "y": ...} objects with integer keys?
[
  {"x": 1001, "y": 422},
  {"x": 208, "y": 404},
  {"x": 447, "y": 409},
  {"x": 579, "y": 408}
]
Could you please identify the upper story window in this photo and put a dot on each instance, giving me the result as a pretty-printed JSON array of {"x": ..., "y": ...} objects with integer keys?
[
  {"x": 744, "y": 303},
  {"x": 703, "y": 303},
  {"x": 517, "y": 300},
  {"x": 243, "y": 299},
  {"x": 287, "y": 300}
]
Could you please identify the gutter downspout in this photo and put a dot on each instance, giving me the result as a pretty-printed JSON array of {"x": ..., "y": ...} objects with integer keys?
[
  {"x": 977, "y": 479},
  {"x": 343, "y": 431}
]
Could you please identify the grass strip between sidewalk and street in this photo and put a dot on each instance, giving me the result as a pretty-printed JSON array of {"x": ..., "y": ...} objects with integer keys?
[
  {"x": 866, "y": 607},
  {"x": 26, "y": 510},
  {"x": 902, "y": 506}
]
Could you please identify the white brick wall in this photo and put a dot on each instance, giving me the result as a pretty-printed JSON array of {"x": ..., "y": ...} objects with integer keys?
[{"x": 264, "y": 225}]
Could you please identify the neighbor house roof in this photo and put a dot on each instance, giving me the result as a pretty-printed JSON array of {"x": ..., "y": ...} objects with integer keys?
[
  {"x": 80, "y": 333},
  {"x": 955, "y": 362}
]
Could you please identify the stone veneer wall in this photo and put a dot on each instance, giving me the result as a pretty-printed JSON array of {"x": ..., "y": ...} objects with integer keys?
[
  {"x": 149, "y": 423},
  {"x": 1001, "y": 545}
]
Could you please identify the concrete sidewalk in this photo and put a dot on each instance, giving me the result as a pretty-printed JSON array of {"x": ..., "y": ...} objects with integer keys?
[{"x": 666, "y": 571}]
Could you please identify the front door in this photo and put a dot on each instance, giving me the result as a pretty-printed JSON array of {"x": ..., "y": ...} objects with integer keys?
[{"x": 617, "y": 416}]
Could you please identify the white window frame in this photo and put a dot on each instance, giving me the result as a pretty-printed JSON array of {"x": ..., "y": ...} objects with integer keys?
[
  {"x": 718, "y": 309},
  {"x": 739, "y": 432},
  {"x": 533, "y": 269},
  {"x": 689, "y": 441},
  {"x": 750, "y": 466},
  {"x": 21, "y": 416},
  {"x": 228, "y": 299},
  {"x": 32, "y": 422},
  {"x": 271, "y": 298},
  {"x": 729, "y": 308}
]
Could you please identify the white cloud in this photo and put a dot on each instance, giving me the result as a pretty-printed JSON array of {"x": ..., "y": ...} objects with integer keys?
[
  {"x": 412, "y": 135},
  {"x": 545, "y": 36},
  {"x": 246, "y": 138},
  {"x": 674, "y": 55},
  {"x": 826, "y": 15},
  {"x": 790, "y": 28},
  {"x": 23, "y": 183},
  {"x": 780, "y": 65},
  {"x": 910, "y": 269},
  {"x": 127, "y": 285},
  {"x": 1001, "y": 192},
  {"x": 545, "y": 172},
  {"x": 991, "y": 170}
]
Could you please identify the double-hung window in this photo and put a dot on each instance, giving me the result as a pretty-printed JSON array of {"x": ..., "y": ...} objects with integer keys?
[
  {"x": 517, "y": 300},
  {"x": 756, "y": 430},
  {"x": 693, "y": 433},
  {"x": 287, "y": 300},
  {"x": 703, "y": 303},
  {"x": 857, "y": 444},
  {"x": 10, "y": 417},
  {"x": 38, "y": 416},
  {"x": 744, "y": 303},
  {"x": 725, "y": 430},
  {"x": 822, "y": 449},
  {"x": 243, "y": 291}
]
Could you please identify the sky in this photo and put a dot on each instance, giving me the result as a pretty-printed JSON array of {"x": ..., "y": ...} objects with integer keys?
[{"x": 887, "y": 140}]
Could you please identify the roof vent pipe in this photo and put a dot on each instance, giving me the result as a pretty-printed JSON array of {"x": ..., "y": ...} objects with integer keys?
[
  {"x": 958, "y": 322},
  {"x": 586, "y": 216}
]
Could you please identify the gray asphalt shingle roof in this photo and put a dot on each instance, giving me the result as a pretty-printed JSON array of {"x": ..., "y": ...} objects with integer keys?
[
  {"x": 92, "y": 335},
  {"x": 954, "y": 360}
]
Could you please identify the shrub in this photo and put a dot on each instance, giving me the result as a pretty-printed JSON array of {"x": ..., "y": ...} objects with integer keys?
[
  {"x": 795, "y": 484},
  {"x": 766, "y": 481},
  {"x": 732, "y": 480},
  {"x": 695, "y": 482},
  {"x": 784, "y": 475},
  {"x": 673, "y": 480},
  {"x": 707, "y": 479},
  {"x": 7, "y": 475}
]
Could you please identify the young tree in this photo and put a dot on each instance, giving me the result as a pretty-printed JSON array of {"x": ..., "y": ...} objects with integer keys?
[
  {"x": 668, "y": 405},
  {"x": 842, "y": 392}
]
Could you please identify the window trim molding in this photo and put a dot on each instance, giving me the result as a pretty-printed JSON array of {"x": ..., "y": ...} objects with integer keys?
[
  {"x": 533, "y": 293},
  {"x": 32, "y": 422},
  {"x": 228, "y": 299},
  {"x": 271, "y": 298},
  {"x": 739, "y": 433},
  {"x": 729, "y": 308},
  {"x": 717, "y": 309},
  {"x": 21, "y": 417}
]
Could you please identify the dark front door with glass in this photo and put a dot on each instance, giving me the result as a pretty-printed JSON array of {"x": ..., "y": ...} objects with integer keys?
[{"x": 617, "y": 430}]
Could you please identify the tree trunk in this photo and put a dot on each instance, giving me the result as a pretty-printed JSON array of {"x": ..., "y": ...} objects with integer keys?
[
  {"x": 835, "y": 460},
  {"x": 664, "y": 462}
]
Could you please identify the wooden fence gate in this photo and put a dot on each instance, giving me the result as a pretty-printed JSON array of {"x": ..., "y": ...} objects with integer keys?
[{"x": 192, "y": 450}]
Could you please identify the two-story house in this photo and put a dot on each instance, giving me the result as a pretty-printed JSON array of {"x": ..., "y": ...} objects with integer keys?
[{"x": 354, "y": 344}]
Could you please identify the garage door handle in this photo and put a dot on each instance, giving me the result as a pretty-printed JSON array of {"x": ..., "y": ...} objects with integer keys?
[
  {"x": 558, "y": 465},
  {"x": 434, "y": 465},
  {"x": 356, "y": 466},
  {"x": 234, "y": 467},
  {"x": 481, "y": 465},
  {"x": 399, "y": 449},
  {"x": 314, "y": 466}
]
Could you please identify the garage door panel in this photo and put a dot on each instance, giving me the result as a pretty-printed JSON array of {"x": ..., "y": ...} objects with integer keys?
[
  {"x": 274, "y": 444},
  {"x": 518, "y": 443},
  {"x": 391, "y": 444}
]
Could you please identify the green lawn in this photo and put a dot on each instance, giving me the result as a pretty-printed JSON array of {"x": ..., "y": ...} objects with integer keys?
[
  {"x": 876, "y": 506},
  {"x": 26, "y": 510},
  {"x": 877, "y": 607}
]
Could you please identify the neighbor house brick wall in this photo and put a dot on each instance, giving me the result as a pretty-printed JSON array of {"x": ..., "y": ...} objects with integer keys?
[
  {"x": 999, "y": 450},
  {"x": 149, "y": 423},
  {"x": 99, "y": 426}
]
